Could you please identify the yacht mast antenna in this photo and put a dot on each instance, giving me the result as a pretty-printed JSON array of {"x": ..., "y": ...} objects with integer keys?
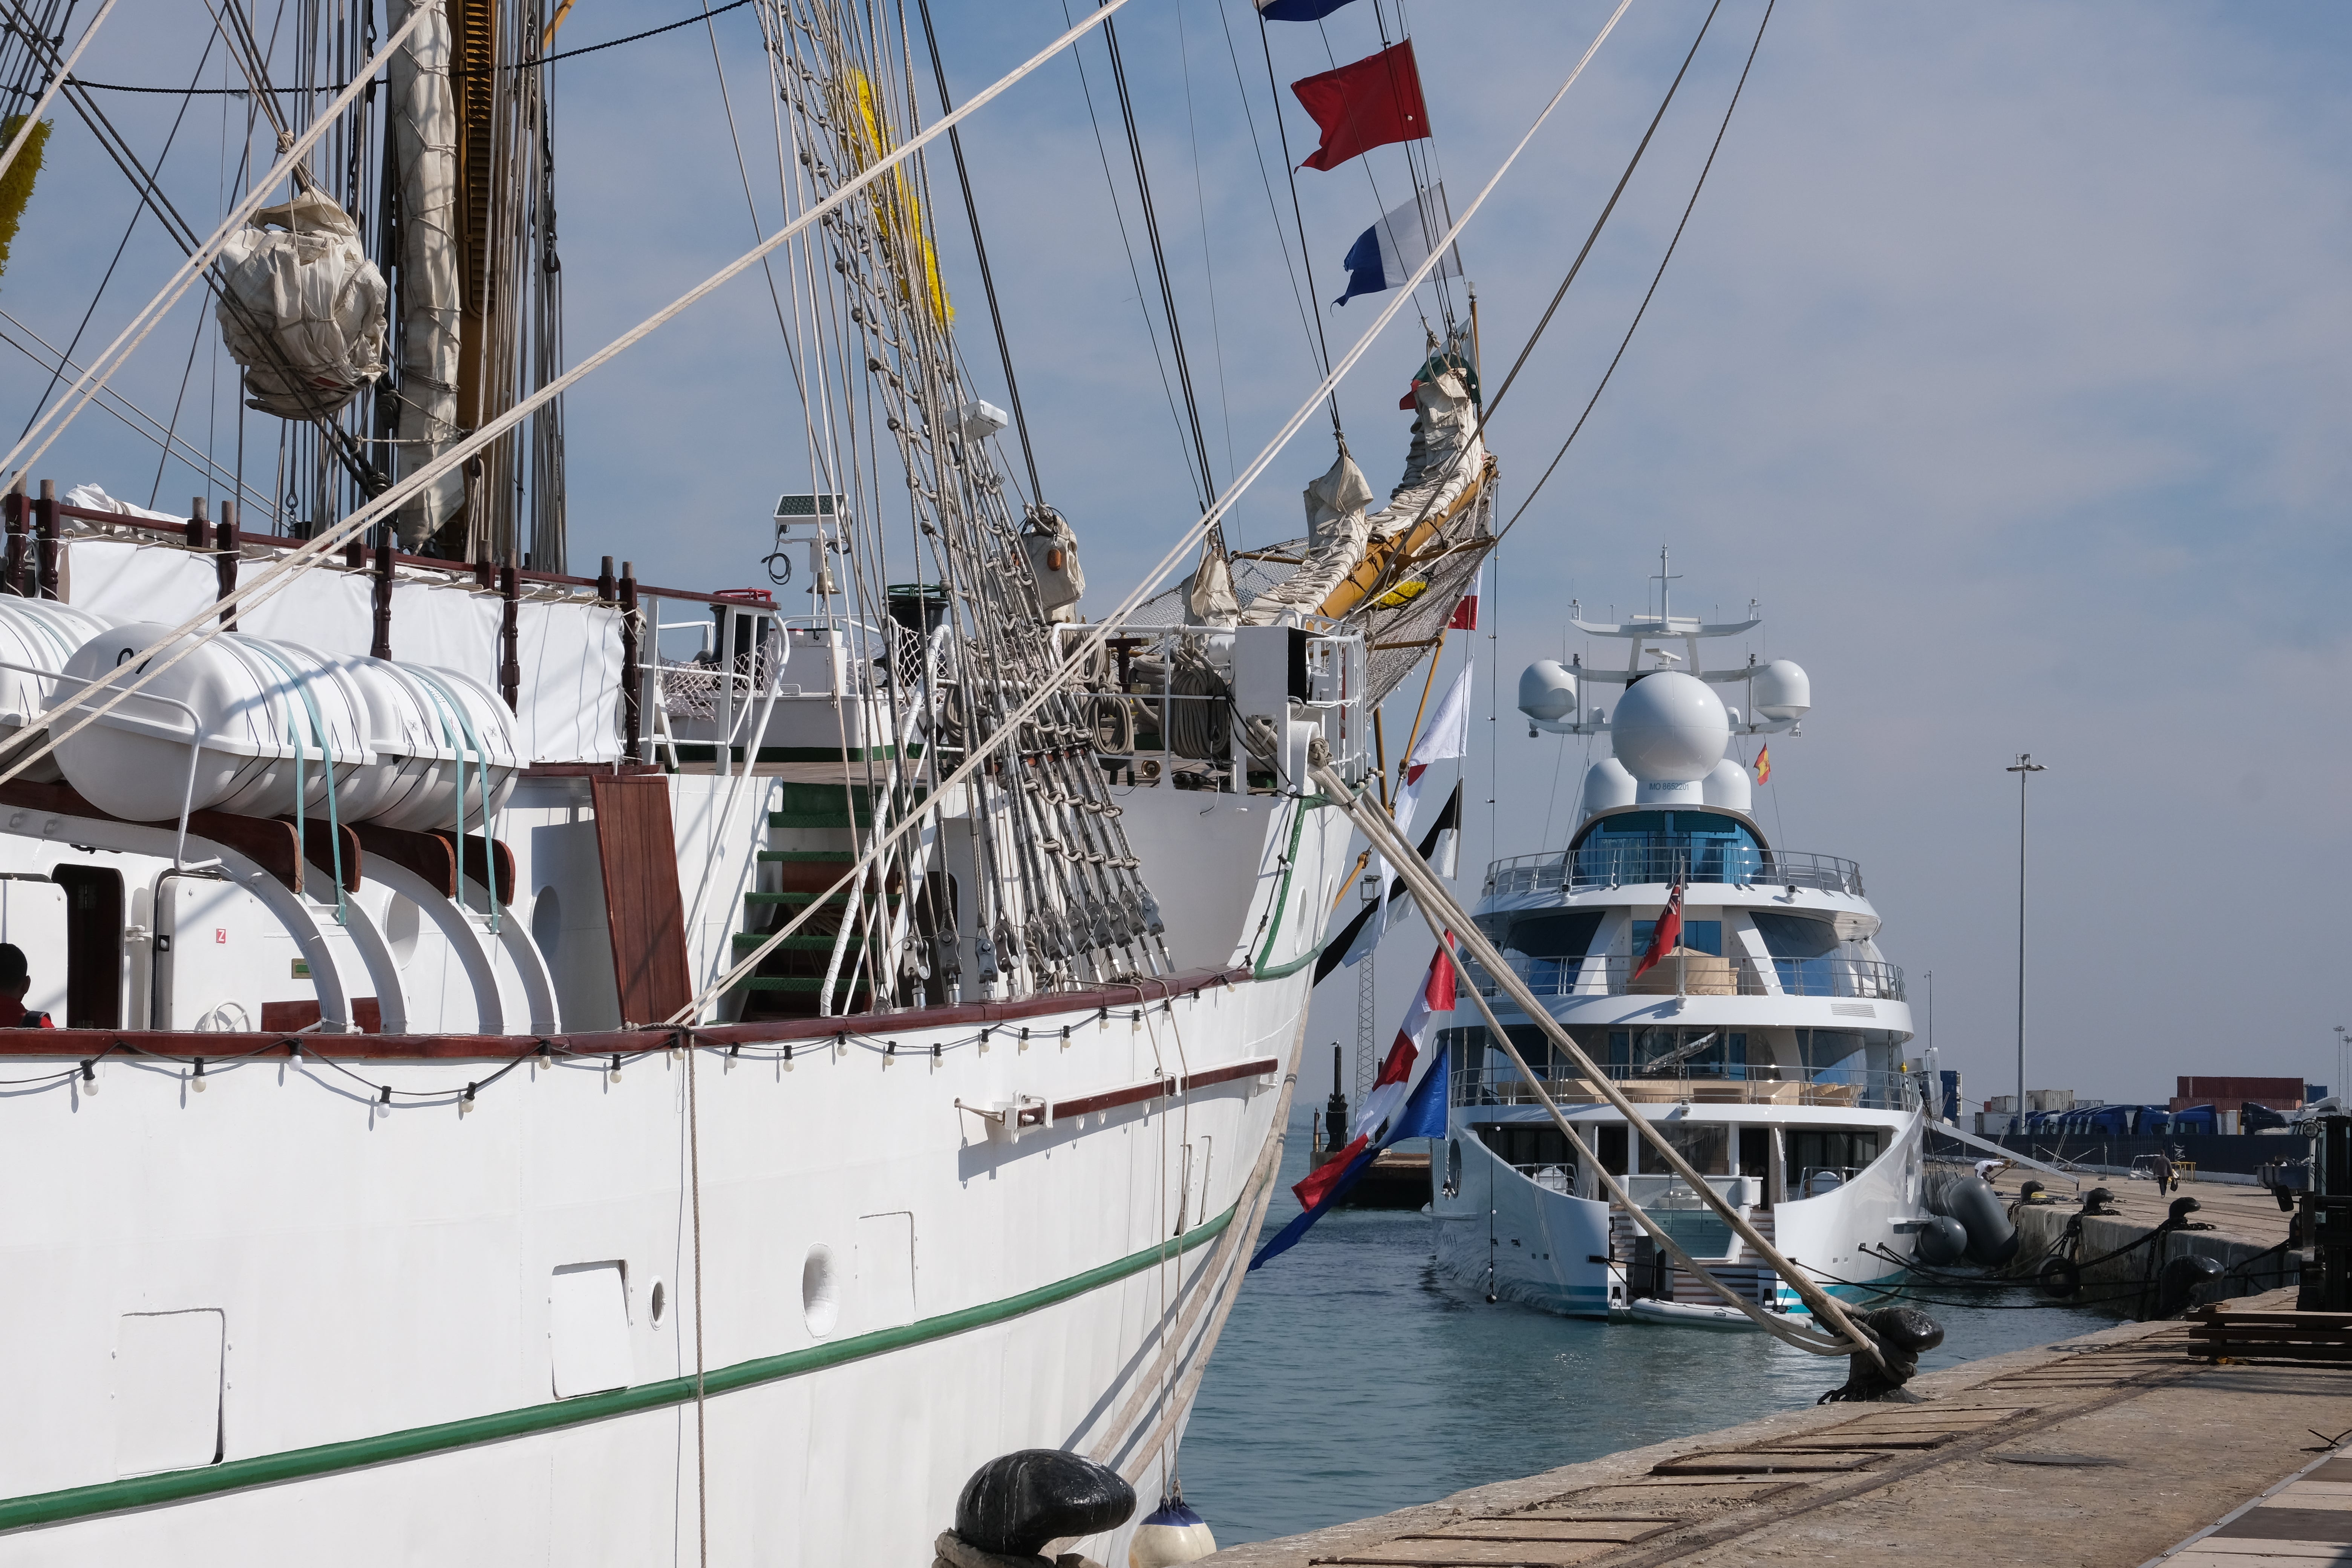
[{"x": 1666, "y": 578}]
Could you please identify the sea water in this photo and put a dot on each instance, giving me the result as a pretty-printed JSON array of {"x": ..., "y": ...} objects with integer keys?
[{"x": 1353, "y": 1378}]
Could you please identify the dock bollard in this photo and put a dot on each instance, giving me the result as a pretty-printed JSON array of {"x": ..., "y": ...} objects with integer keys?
[
  {"x": 1902, "y": 1335},
  {"x": 1014, "y": 1504}
]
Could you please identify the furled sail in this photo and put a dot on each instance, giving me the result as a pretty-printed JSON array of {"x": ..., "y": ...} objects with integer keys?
[
  {"x": 1447, "y": 452},
  {"x": 1337, "y": 533},
  {"x": 302, "y": 308},
  {"x": 423, "y": 123}
]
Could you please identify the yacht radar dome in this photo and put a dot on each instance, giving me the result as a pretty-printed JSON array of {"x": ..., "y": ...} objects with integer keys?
[
  {"x": 1670, "y": 729},
  {"x": 1781, "y": 690},
  {"x": 1607, "y": 786},
  {"x": 1547, "y": 693}
]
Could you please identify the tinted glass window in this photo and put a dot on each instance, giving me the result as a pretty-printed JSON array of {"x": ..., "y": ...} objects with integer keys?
[
  {"x": 1550, "y": 933},
  {"x": 1794, "y": 936},
  {"x": 1699, "y": 936}
]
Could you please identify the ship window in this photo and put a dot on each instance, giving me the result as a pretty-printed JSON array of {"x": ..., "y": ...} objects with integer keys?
[
  {"x": 1800, "y": 947},
  {"x": 1837, "y": 1152},
  {"x": 1828, "y": 1055},
  {"x": 1677, "y": 1053},
  {"x": 1708, "y": 1149},
  {"x": 1754, "y": 1151},
  {"x": 1666, "y": 847},
  {"x": 1611, "y": 1151},
  {"x": 1542, "y": 933},
  {"x": 1699, "y": 936}
]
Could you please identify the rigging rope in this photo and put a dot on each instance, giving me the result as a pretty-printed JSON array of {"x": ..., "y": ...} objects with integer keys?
[
  {"x": 1159, "y": 258},
  {"x": 1655, "y": 280},
  {"x": 1602, "y": 222},
  {"x": 454, "y": 70},
  {"x": 1290, "y": 169},
  {"x": 157, "y": 659},
  {"x": 979, "y": 250},
  {"x": 25, "y": 130}
]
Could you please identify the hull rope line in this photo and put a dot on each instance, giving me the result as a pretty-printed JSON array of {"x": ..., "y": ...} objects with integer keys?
[{"x": 1437, "y": 902}]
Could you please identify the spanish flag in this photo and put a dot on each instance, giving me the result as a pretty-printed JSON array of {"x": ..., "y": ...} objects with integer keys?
[{"x": 1764, "y": 765}]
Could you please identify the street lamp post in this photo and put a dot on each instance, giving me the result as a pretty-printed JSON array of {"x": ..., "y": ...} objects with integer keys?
[{"x": 2024, "y": 768}]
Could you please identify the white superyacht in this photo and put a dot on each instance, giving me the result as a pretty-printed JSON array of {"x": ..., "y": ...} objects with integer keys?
[{"x": 1767, "y": 1036}]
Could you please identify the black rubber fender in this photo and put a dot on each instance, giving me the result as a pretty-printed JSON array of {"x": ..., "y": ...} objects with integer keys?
[
  {"x": 1942, "y": 1241},
  {"x": 2059, "y": 1277},
  {"x": 2176, "y": 1288},
  {"x": 1992, "y": 1235}
]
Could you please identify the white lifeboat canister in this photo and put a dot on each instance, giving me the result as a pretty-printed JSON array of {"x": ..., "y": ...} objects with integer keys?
[
  {"x": 275, "y": 725},
  {"x": 444, "y": 746},
  {"x": 42, "y": 634}
]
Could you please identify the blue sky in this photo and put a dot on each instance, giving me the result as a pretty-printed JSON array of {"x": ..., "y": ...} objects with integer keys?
[{"x": 2005, "y": 361}]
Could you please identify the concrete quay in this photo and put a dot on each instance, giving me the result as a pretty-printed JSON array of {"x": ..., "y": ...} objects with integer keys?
[
  {"x": 2114, "y": 1450},
  {"x": 2248, "y": 1229}
]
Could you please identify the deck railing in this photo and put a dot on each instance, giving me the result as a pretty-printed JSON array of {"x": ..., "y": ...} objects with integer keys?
[
  {"x": 1636, "y": 865},
  {"x": 1691, "y": 973},
  {"x": 1476, "y": 1084}
]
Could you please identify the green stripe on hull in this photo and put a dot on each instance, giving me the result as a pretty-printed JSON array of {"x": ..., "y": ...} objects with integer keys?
[{"x": 328, "y": 1458}]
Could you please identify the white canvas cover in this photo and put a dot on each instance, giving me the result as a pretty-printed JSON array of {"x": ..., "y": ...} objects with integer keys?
[
  {"x": 422, "y": 116},
  {"x": 1447, "y": 454},
  {"x": 571, "y": 656},
  {"x": 304, "y": 308},
  {"x": 1336, "y": 537}
]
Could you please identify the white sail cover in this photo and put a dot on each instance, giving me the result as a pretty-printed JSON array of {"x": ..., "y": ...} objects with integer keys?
[
  {"x": 423, "y": 120},
  {"x": 303, "y": 308},
  {"x": 1446, "y": 455},
  {"x": 1336, "y": 536}
]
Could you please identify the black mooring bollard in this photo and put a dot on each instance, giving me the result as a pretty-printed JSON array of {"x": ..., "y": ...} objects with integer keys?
[
  {"x": 1014, "y": 1505},
  {"x": 1902, "y": 1335}
]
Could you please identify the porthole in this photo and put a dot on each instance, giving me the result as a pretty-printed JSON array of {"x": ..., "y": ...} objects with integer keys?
[
  {"x": 820, "y": 1290},
  {"x": 658, "y": 1302}
]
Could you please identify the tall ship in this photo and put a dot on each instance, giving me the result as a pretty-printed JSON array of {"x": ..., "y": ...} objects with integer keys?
[
  {"x": 1734, "y": 990},
  {"x": 522, "y": 1064}
]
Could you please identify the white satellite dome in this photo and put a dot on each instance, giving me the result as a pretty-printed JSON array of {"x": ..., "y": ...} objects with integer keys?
[
  {"x": 1783, "y": 690},
  {"x": 1607, "y": 786},
  {"x": 1670, "y": 729},
  {"x": 1548, "y": 691},
  {"x": 1727, "y": 787}
]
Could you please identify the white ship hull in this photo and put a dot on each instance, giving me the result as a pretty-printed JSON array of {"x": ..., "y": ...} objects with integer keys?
[
  {"x": 273, "y": 1309},
  {"x": 1519, "y": 1236}
]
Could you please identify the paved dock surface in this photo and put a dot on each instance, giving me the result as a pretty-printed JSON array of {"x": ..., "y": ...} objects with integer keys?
[{"x": 2109, "y": 1451}]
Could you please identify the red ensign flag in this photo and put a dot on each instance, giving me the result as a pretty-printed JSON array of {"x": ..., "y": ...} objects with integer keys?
[
  {"x": 1667, "y": 937},
  {"x": 1367, "y": 104}
]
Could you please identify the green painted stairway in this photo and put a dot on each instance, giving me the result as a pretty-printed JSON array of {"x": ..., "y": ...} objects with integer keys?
[{"x": 812, "y": 841}]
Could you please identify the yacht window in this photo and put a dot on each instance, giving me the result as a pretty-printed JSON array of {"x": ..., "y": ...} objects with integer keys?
[
  {"x": 1666, "y": 847},
  {"x": 1794, "y": 936},
  {"x": 1547, "y": 933},
  {"x": 1611, "y": 1151},
  {"x": 1829, "y": 1055},
  {"x": 1699, "y": 936},
  {"x": 1755, "y": 1151},
  {"x": 1677, "y": 1053},
  {"x": 1800, "y": 948},
  {"x": 1708, "y": 1149},
  {"x": 1839, "y": 1152}
]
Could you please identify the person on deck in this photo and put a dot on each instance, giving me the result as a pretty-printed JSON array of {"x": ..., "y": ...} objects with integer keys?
[{"x": 15, "y": 977}]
